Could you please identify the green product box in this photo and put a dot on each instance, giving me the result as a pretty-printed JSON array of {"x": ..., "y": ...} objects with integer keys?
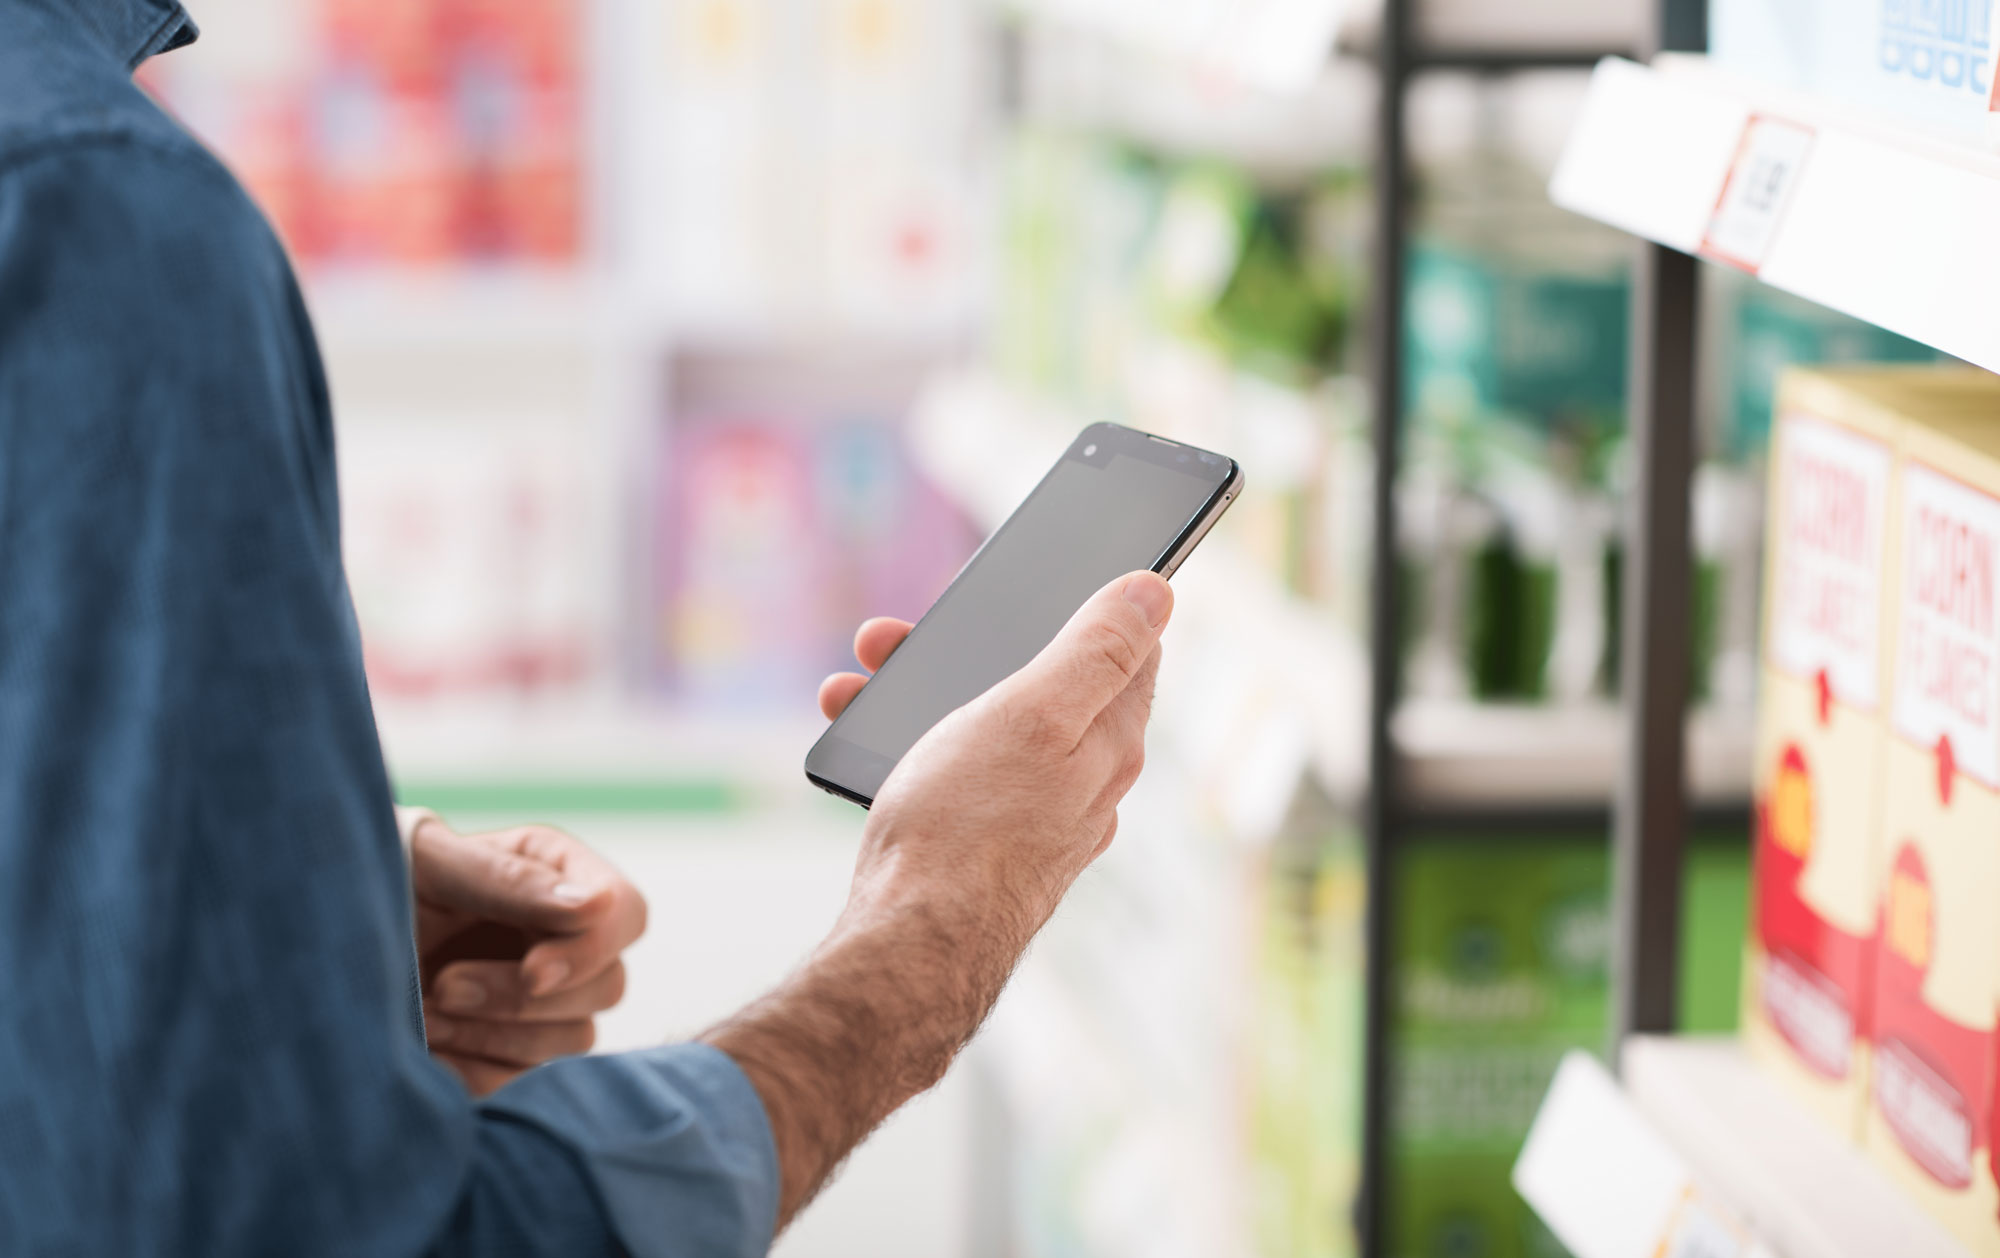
[
  {"x": 1502, "y": 967},
  {"x": 1496, "y": 335}
]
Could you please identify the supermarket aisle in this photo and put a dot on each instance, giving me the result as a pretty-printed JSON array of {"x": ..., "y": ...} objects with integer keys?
[{"x": 736, "y": 900}]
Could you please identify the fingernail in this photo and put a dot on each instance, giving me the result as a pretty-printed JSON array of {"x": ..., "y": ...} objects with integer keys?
[
  {"x": 548, "y": 977},
  {"x": 461, "y": 995},
  {"x": 1151, "y": 596},
  {"x": 570, "y": 893}
]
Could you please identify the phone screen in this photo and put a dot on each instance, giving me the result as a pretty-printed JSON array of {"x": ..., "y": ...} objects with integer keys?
[{"x": 1118, "y": 501}]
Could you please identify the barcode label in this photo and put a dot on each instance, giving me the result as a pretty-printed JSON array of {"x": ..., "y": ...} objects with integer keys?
[{"x": 1761, "y": 181}]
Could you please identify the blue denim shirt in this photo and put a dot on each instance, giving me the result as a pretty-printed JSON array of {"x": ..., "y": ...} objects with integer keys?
[{"x": 210, "y": 1039}]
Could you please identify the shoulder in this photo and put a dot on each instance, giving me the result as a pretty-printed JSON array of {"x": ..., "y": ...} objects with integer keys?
[
  {"x": 82, "y": 149},
  {"x": 155, "y": 183},
  {"x": 110, "y": 212}
]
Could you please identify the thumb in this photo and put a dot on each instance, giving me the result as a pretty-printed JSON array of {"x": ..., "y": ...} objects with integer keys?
[
  {"x": 496, "y": 883},
  {"x": 1100, "y": 651}
]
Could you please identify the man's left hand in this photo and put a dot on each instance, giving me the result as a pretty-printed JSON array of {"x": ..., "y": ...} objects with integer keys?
[{"x": 518, "y": 940}]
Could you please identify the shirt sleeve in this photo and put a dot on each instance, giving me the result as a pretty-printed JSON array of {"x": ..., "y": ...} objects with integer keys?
[{"x": 212, "y": 1042}]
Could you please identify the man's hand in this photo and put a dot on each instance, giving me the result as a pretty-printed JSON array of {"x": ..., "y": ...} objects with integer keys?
[
  {"x": 971, "y": 844},
  {"x": 518, "y": 938}
]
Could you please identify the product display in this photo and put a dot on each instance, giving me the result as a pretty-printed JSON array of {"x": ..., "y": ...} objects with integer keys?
[
  {"x": 807, "y": 166},
  {"x": 776, "y": 536},
  {"x": 1938, "y": 867},
  {"x": 1874, "y": 958},
  {"x": 1503, "y": 958},
  {"x": 412, "y": 132},
  {"x": 480, "y": 562},
  {"x": 1810, "y": 957}
]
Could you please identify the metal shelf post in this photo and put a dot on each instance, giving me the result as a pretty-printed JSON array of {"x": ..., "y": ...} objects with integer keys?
[
  {"x": 1651, "y": 822},
  {"x": 1392, "y": 181}
]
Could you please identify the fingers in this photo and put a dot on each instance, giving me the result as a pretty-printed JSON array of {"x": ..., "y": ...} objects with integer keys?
[
  {"x": 877, "y": 638},
  {"x": 510, "y": 1043},
  {"x": 874, "y": 642},
  {"x": 564, "y": 961},
  {"x": 837, "y": 691},
  {"x": 1098, "y": 654},
  {"x": 507, "y": 878},
  {"x": 498, "y": 990}
]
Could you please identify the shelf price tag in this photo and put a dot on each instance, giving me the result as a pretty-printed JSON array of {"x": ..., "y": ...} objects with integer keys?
[
  {"x": 1700, "y": 1230},
  {"x": 1762, "y": 178}
]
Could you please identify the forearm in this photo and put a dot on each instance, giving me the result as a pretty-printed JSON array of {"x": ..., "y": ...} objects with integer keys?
[{"x": 874, "y": 1018}]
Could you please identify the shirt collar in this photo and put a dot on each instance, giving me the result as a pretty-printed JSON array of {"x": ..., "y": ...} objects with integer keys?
[{"x": 130, "y": 30}]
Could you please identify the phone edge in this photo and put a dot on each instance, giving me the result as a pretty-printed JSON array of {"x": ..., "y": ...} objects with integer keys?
[{"x": 1206, "y": 519}]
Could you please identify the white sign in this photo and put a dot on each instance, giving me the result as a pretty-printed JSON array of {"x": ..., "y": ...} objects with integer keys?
[
  {"x": 1759, "y": 187},
  {"x": 1947, "y": 685},
  {"x": 1826, "y": 594}
]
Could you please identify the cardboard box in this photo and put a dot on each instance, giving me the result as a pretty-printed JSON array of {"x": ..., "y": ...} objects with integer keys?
[
  {"x": 1808, "y": 961},
  {"x": 1930, "y": 1118},
  {"x": 1929, "y": 63}
]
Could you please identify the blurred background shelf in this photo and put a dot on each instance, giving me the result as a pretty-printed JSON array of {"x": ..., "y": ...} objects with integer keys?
[
  {"x": 1698, "y": 1147},
  {"x": 1655, "y": 146},
  {"x": 1466, "y": 756},
  {"x": 614, "y": 757},
  {"x": 496, "y": 307}
]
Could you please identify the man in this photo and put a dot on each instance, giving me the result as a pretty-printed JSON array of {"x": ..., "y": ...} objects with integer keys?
[{"x": 212, "y": 1043}]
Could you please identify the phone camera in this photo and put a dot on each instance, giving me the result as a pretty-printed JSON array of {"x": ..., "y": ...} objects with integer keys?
[{"x": 1090, "y": 451}]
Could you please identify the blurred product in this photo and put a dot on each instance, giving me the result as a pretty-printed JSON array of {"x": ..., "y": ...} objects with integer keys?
[
  {"x": 1515, "y": 375},
  {"x": 812, "y": 165},
  {"x": 472, "y": 556},
  {"x": 413, "y": 132},
  {"x": 1925, "y": 62},
  {"x": 777, "y": 534},
  {"x": 1809, "y": 963},
  {"x": 1503, "y": 966},
  {"x": 1874, "y": 957},
  {"x": 1937, "y": 866},
  {"x": 1502, "y": 955}
]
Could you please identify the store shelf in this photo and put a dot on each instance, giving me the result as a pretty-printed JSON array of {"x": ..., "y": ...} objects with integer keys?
[
  {"x": 401, "y": 309},
  {"x": 1473, "y": 756},
  {"x": 1887, "y": 225},
  {"x": 599, "y": 757},
  {"x": 1699, "y": 1144}
]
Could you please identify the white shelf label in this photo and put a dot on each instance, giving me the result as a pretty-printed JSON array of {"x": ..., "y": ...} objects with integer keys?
[
  {"x": 1699, "y": 1230},
  {"x": 1761, "y": 181}
]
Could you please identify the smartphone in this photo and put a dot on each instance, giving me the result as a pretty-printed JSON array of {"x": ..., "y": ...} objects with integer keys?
[{"x": 1118, "y": 500}]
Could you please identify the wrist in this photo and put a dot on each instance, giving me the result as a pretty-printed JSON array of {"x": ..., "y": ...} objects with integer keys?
[{"x": 988, "y": 899}]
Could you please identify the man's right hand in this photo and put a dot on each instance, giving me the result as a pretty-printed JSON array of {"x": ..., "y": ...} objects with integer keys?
[
  {"x": 970, "y": 846},
  {"x": 1017, "y": 792}
]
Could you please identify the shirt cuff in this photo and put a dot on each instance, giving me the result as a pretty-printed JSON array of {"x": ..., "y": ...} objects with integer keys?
[
  {"x": 407, "y": 821},
  {"x": 675, "y": 1140}
]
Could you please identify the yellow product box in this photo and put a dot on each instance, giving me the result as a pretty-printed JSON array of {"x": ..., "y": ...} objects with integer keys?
[
  {"x": 1809, "y": 958},
  {"x": 1931, "y": 1115}
]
